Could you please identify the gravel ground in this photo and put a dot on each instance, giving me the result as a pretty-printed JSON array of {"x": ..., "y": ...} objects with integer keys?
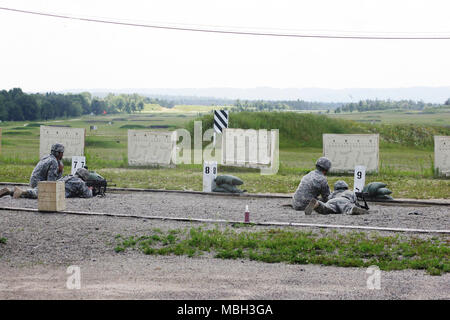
[
  {"x": 232, "y": 208},
  {"x": 40, "y": 247}
]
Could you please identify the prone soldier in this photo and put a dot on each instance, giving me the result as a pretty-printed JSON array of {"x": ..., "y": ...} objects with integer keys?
[
  {"x": 341, "y": 200},
  {"x": 75, "y": 187}
]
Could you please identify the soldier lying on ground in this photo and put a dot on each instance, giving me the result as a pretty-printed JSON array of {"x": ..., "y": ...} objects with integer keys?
[
  {"x": 50, "y": 167},
  {"x": 312, "y": 185},
  {"x": 75, "y": 187},
  {"x": 341, "y": 200}
]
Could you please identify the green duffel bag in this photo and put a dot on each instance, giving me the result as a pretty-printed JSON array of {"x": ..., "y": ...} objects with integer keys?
[
  {"x": 372, "y": 188},
  {"x": 383, "y": 191},
  {"x": 228, "y": 179}
]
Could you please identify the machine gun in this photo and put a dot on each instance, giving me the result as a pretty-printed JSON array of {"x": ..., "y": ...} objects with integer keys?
[
  {"x": 361, "y": 196},
  {"x": 97, "y": 182}
]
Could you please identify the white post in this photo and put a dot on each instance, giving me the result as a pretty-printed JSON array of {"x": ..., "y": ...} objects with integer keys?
[{"x": 360, "y": 178}]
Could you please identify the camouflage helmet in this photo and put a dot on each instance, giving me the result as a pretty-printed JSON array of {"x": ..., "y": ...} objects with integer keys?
[
  {"x": 57, "y": 147},
  {"x": 340, "y": 185},
  {"x": 323, "y": 163},
  {"x": 82, "y": 173}
]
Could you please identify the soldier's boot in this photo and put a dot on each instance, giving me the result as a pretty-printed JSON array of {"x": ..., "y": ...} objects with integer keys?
[
  {"x": 358, "y": 211},
  {"x": 17, "y": 192},
  {"x": 311, "y": 206},
  {"x": 323, "y": 209},
  {"x": 5, "y": 192}
]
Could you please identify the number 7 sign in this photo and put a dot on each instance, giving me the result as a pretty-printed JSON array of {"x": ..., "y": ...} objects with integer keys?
[
  {"x": 77, "y": 162},
  {"x": 360, "y": 178}
]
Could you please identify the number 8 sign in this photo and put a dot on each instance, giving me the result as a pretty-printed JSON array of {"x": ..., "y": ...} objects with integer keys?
[
  {"x": 360, "y": 178},
  {"x": 209, "y": 175},
  {"x": 77, "y": 162}
]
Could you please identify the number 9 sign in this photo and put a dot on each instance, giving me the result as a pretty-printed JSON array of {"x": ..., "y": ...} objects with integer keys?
[{"x": 360, "y": 178}]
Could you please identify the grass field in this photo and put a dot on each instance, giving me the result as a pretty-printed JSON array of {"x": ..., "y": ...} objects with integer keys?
[
  {"x": 397, "y": 117},
  {"x": 406, "y": 168},
  {"x": 354, "y": 249}
]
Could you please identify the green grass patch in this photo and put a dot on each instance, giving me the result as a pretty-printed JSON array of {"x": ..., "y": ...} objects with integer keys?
[
  {"x": 133, "y": 126},
  {"x": 3, "y": 240},
  {"x": 354, "y": 249},
  {"x": 17, "y": 133}
]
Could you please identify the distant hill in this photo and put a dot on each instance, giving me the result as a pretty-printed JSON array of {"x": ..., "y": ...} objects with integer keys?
[{"x": 425, "y": 94}]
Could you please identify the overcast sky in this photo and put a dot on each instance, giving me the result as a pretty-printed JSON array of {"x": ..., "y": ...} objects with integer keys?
[{"x": 39, "y": 53}]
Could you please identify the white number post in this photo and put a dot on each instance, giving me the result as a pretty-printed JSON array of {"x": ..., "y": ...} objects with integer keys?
[
  {"x": 209, "y": 175},
  {"x": 77, "y": 162},
  {"x": 360, "y": 178}
]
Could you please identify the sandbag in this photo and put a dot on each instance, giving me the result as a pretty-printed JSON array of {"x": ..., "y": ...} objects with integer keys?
[
  {"x": 228, "y": 188},
  {"x": 372, "y": 188},
  {"x": 228, "y": 179},
  {"x": 383, "y": 191},
  {"x": 383, "y": 197},
  {"x": 219, "y": 189}
]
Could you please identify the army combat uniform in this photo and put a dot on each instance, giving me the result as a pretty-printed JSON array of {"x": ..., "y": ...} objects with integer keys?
[
  {"x": 311, "y": 186},
  {"x": 45, "y": 170},
  {"x": 75, "y": 187},
  {"x": 341, "y": 201}
]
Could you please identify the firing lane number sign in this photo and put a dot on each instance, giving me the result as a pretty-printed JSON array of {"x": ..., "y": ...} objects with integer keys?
[
  {"x": 209, "y": 175},
  {"x": 360, "y": 178},
  {"x": 77, "y": 162}
]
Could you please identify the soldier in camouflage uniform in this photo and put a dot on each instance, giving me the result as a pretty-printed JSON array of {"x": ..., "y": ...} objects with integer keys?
[
  {"x": 341, "y": 200},
  {"x": 50, "y": 167},
  {"x": 312, "y": 185},
  {"x": 75, "y": 187}
]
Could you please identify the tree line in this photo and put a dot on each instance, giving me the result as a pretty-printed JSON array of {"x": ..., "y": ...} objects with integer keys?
[
  {"x": 280, "y": 105},
  {"x": 15, "y": 105},
  {"x": 375, "y": 105}
]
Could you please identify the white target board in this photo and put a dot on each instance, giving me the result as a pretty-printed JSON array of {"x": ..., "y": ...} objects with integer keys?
[
  {"x": 71, "y": 138},
  {"x": 346, "y": 151},
  {"x": 248, "y": 147},
  {"x": 442, "y": 154},
  {"x": 151, "y": 148}
]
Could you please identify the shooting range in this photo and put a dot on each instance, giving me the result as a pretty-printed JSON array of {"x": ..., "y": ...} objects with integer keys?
[
  {"x": 442, "y": 155},
  {"x": 71, "y": 138},
  {"x": 148, "y": 148},
  {"x": 349, "y": 150}
]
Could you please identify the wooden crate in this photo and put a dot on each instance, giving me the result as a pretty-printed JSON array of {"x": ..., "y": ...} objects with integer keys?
[{"x": 51, "y": 196}]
